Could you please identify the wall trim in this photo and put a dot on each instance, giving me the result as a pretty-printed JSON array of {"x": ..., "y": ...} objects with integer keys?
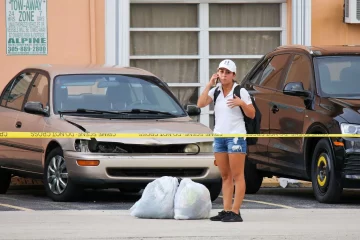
[
  {"x": 117, "y": 32},
  {"x": 301, "y": 22}
]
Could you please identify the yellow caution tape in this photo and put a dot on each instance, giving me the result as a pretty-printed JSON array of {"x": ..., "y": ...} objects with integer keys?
[{"x": 158, "y": 135}]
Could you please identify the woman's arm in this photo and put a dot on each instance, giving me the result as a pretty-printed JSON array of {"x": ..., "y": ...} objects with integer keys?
[
  {"x": 245, "y": 103},
  {"x": 248, "y": 109},
  {"x": 204, "y": 98}
]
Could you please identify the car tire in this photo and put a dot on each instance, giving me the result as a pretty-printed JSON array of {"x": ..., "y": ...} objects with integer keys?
[
  {"x": 326, "y": 183},
  {"x": 253, "y": 177},
  {"x": 5, "y": 180},
  {"x": 214, "y": 189},
  {"x": 58, "y": 185}
]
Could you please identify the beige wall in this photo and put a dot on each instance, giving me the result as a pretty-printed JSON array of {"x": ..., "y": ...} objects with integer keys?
[
  {"x": 327, "y": 24},
  {"x": 289, "y": 22},
  {"x": 76, "y": 35}
]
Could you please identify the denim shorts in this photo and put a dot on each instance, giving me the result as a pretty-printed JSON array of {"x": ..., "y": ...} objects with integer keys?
[{"x": 230, "y": 145}]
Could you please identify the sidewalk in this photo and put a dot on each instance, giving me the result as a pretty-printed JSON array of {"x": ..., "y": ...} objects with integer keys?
[
  {"x": 267, "y": 182},
  {"x": 270, "y": 224}
]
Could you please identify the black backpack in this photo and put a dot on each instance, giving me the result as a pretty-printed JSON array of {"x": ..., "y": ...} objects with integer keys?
[{"x": 252, "y": 125}]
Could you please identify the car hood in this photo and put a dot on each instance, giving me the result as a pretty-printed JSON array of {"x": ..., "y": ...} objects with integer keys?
[
  {"x": 354, "y": 104},
  {"x": 179, "y": 125},
  {"x": 348, "y": 109}
]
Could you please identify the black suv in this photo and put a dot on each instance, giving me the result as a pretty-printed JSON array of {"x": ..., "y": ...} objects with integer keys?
[{"x": 314, "y": 90}]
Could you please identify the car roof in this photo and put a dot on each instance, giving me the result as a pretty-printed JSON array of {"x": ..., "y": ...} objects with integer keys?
[
  {"x": 67, "y": 69},
  {"x": 323, "y": 50}
]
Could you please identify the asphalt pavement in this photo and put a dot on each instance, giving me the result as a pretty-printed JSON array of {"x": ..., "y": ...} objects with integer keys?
[
  {"x": 33, "y": 198},
  {"x": 271, "y": 214}
]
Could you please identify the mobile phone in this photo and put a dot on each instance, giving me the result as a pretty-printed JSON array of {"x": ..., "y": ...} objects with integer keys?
[{"x": 217, "y": 81}]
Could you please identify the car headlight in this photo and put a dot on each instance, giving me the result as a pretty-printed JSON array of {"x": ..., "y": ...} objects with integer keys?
[
  {"x": 194, "y": 148},
  {"x": 206, "y": 147},
  {"x": 81, "y": 145},
  {"x": 350, "y": 128}
]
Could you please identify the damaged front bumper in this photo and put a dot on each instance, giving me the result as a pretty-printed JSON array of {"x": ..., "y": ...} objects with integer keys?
[{"x": 139, "y": 169}]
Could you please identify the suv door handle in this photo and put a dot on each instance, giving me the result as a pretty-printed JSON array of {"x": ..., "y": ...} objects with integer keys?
[
  {"x": 18, "y": 124},
  {"x": 275, "y": 109}
]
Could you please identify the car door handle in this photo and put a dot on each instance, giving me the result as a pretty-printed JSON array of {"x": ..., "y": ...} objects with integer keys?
[
  {"x": 18, "y": 124},
  {"x": 275, "y": 109}
]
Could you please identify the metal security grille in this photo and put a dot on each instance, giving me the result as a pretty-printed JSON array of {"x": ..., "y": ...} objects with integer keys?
[
  {"x": 358, "y": 9},
  {"x": 347, "y": 8}
]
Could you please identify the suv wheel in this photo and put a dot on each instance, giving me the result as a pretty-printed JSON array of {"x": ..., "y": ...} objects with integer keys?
[
  {"x": 326, "y": 184},
  {"x": 58, "y": 185},
  {"x": 5, "y": 179},
  {"x": 253, "y": 178}
]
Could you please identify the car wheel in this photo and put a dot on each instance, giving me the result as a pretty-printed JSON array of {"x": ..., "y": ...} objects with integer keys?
[
  {"x": 253, "y": 178},
  {"x": 326, "y": 184},
  {"x": 58, "y": 185},
  {"x": 5, "y": 179},
  {"x": 214, "y": 189}
]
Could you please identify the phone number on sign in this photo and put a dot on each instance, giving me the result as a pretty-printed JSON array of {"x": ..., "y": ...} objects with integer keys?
[{"x": 26, "y": 49}]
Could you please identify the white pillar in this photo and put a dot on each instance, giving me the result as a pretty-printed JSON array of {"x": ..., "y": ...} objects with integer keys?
[
  {"x": 204, "y": 57},
  {"x": 301, "y": 22},
  {"x": 110, "y": 32},
  {"x": 123, "y": 20},
  {"x": 117, "y": 32}
]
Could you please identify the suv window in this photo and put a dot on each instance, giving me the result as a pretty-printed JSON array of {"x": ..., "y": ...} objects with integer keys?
[
  {"x": 256, "y": 76},
  {"x": 14, "y": 94},
  {"x": 338, "y": 75},
  {"x": 300, "y": 71},
  {"x": 40, "y": 90},
  {"x": 270, "y": 77}
]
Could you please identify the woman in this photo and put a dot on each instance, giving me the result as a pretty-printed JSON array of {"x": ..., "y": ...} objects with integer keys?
[{"x": 229, "y": 153}]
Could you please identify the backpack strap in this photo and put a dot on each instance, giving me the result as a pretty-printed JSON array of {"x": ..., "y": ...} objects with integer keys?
[
  {"x": 216, "y": 94},
  {"x": 237, "y": 93}
]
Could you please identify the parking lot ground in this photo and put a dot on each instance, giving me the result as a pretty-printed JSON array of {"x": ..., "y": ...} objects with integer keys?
[
  {"x": 33, "y": 198},
  {"x": 272, "y": 214},
  {"x": 269, "y": 224}
]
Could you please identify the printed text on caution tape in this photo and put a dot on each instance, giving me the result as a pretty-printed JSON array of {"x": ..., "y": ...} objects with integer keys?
[{"x": 158, "y": 135}]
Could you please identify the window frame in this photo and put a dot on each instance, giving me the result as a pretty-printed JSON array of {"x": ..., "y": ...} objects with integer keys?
[
  {"x": 268, "y": 59},
  {"x": 11, "y": 83},
  {"x": 47, "y": 76},
  {"x": 204, "y": 31},
  {"x": 312, "y": 73}
]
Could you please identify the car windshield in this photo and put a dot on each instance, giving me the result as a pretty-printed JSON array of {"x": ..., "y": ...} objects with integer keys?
[
  {"x": 339, "y": 76},
  {"x": 103, "y": 94}
]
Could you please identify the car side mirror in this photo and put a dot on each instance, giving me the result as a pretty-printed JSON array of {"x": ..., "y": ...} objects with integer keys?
[
  {"x": 193, "y": 110},
  {"x": 295, "y": 89},
  {"x": 35, "y": 108}
]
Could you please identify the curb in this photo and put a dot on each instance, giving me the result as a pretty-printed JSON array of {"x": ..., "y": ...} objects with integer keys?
[
  {"x": 19, "y": 181},
  {"x": 273, "y": 182}
]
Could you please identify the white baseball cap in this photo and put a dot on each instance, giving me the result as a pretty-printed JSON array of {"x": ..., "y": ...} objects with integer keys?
[{"x": 228, "y": 64}]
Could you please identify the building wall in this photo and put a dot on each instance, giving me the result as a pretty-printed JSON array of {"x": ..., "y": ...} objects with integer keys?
[
  {"x": 76, "y": 35},
  {"x": 328, "y": 27}
]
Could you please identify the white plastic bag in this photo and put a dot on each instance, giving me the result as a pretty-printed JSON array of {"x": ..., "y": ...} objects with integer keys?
[
  {"x": 157, "y": 200},
  {"x": 192, "y": 201}
]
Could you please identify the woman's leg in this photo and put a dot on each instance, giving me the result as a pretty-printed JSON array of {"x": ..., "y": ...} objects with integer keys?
[
  {"x": 222, "y": 160},
  {"x": 237, "y": 148},
  {"x": 237, "y": 165}
]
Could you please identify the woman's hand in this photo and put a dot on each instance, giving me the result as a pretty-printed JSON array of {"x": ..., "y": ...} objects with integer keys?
[
  {"x": 235, "y": 102},
  {"x": 213, "y": 79}
]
